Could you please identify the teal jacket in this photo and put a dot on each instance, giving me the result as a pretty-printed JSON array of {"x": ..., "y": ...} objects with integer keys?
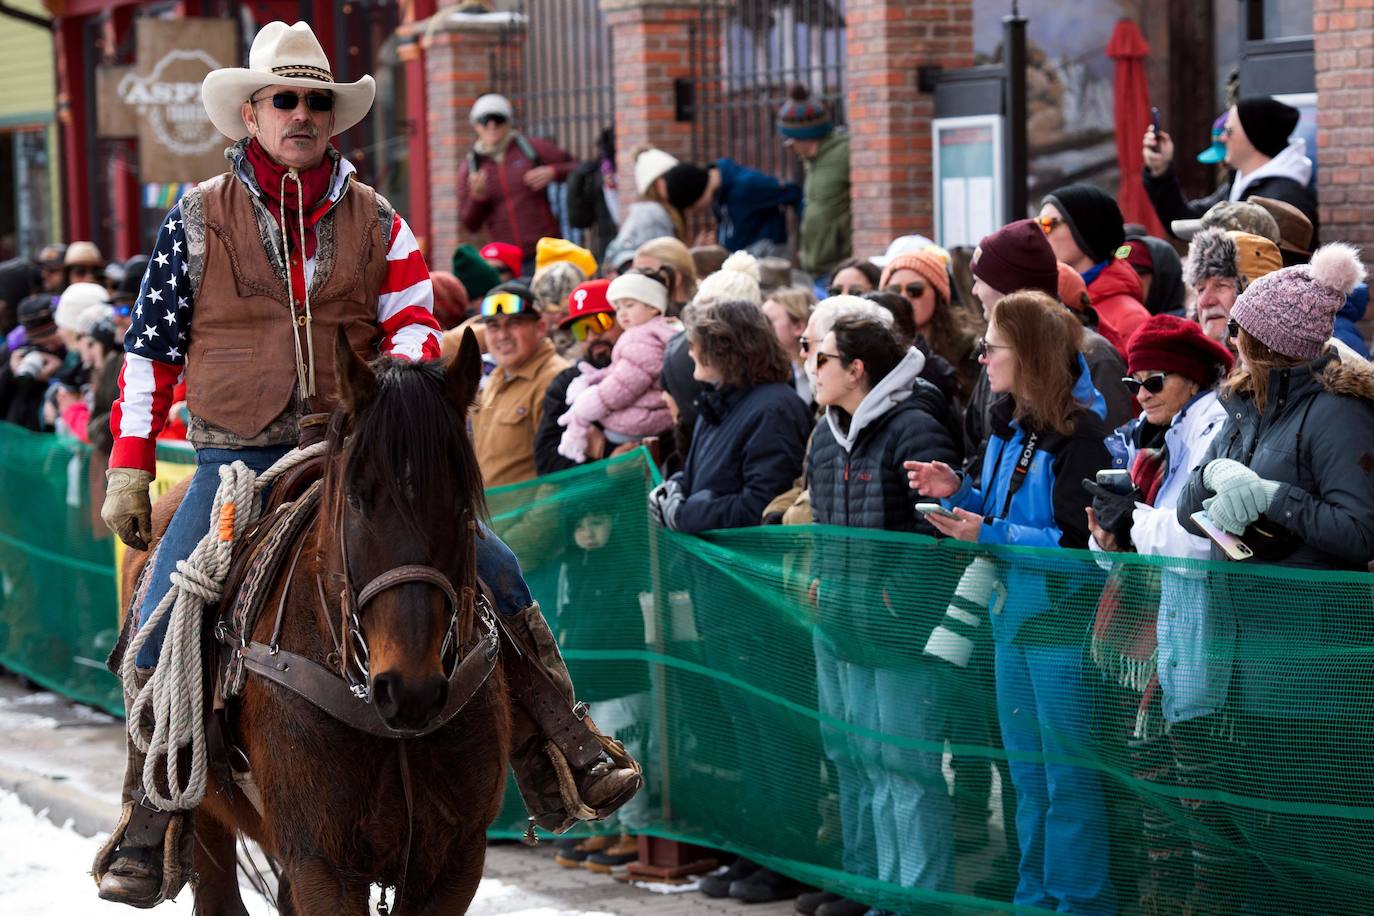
[{"x": 827, "y": 227}]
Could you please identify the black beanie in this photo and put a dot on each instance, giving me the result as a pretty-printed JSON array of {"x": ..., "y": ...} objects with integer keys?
[
  {"x": 686, "y": 183},
  {"x": 1268, "y": 123},
  {"x": 1093, "y": 217}
]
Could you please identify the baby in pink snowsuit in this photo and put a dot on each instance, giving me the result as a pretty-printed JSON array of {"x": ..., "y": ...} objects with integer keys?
[{"x": 625, "y": 398}]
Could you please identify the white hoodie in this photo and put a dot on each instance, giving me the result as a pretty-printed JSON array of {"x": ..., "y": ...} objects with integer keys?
[{"x": 1291, "y": 163}]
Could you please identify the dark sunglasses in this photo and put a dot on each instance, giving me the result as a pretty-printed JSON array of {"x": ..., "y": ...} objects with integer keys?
[
  {"x": 491, "y": 119},
  {"x": 804, "y": 345},
  {"x": 1153, "y": 384},
  {"x": 287, "y": 101},
  {"x": 823, "y": 358},
  {"x": 913, "y": 290},
  {"x": 983, "y": 347},
  {"x": 1232, "y": 329},
  {"x": 851, "y": 290}
]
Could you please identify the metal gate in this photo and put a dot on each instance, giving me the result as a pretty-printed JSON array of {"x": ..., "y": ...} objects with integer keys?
[
  {"x": 558, "y": 74},
  {"x": 745, "y": 57}
]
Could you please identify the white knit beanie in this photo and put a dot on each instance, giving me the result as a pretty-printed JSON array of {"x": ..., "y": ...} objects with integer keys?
[
  {"x": 490, "y": 104},
  {"x": 639, "y": 287},
  {"x": 651, "y": 165},
  {"x": 76, "y": 299},
  {"x": 738, "y": 279}
]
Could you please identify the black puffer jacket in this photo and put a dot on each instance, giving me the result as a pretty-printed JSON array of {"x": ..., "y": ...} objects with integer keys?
[
  {"x": 1167, "y": 197},
  {"x": 1316, "y": 438},
  {"x": 856, "y": 479},
  {"x": 860, "y": 482}
]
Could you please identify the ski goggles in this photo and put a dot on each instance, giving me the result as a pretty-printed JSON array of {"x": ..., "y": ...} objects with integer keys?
[
  {"x": 595, "y": 323},
  {"x": 507, "y": 303}
]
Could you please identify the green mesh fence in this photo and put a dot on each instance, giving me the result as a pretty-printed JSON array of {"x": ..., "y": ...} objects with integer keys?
[{"x": 831, "y": 702}]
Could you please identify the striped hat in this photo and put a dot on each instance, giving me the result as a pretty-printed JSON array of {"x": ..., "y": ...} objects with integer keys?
[{"x": 803, "y": 116}]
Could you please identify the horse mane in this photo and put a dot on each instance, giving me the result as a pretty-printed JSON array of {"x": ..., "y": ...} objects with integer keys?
[{"x": 408, "y": 427}]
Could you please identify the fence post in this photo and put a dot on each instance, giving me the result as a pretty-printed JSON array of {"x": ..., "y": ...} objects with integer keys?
[
  {"x": 889, "y": 117},
  {"x": 653, "y": 43},
  {"x": 463, "y": 55}
]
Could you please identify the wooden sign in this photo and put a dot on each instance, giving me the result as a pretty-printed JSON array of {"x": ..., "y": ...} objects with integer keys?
[
  {"x": 176, "y": 141},
  {"x": 113, "y": 119}
]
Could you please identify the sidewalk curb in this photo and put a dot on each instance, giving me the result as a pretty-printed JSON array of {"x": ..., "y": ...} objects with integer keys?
[{"x": 60, "y": 803}]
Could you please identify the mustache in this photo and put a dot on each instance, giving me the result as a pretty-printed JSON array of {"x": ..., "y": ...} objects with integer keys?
[{"x": 305, "y": 128}]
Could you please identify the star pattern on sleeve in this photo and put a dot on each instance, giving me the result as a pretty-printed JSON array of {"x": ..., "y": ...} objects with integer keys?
[{"x": 162, "y": 313}]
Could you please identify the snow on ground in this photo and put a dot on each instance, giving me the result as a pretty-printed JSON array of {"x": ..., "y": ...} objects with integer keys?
[{"x": 44, "y": 871}]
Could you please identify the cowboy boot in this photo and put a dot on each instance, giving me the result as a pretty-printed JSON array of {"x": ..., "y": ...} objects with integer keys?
[
  {"x": 565, "y": 768},
  {"x": 146, "y": 859}
]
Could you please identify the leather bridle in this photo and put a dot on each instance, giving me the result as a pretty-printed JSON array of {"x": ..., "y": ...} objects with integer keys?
[{"x": 355, "y": 660}]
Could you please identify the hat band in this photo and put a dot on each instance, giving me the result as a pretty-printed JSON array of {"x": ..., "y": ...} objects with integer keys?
[{"x": 302, "y": 71}]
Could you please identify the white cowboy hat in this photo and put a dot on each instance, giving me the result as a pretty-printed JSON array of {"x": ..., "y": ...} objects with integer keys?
[{"x": 282, "y": 55}]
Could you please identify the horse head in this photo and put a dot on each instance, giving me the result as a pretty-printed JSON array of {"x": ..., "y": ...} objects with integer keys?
[{"x": 402, "y": 495}]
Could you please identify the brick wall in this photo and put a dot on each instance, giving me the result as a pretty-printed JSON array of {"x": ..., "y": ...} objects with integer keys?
[
  {"x": 459, "y": 60},
  {"x": 1344, "y": 44},
  {"x": 651, "y": 50},
  {"x": 889, "y": 118}
]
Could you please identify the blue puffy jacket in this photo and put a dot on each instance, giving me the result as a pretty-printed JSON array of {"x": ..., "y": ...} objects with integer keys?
[
  {"x": 749, "y": 206},
  {"x": 1047, "y": 510}
]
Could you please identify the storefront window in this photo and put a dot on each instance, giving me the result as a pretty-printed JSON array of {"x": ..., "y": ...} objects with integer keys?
[
  {"x": 25, "y": 205},
  {"x": 1287, "y": 19}
]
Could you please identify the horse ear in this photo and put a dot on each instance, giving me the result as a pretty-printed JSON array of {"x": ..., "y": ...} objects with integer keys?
[
  {"x": 356, "y": 380},
  {"x": 464, "y": 372}
]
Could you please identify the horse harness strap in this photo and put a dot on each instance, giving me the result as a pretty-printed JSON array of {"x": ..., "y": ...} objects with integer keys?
[{"x": 327, "y": 691}]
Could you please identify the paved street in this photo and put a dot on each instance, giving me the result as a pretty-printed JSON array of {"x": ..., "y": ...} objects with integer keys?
[{"x": 60, "y": 769}]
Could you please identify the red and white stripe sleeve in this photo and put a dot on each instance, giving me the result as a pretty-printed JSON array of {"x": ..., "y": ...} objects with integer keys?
[
  {"x": 145, "y": 397},
  {"x": 405, "y": 305}
]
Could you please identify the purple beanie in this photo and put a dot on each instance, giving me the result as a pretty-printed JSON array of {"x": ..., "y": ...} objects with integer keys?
[{"x": 1291, "y": 311}]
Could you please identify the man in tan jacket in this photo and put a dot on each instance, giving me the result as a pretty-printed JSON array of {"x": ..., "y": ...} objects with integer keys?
[{"x": 512, "y": 402}]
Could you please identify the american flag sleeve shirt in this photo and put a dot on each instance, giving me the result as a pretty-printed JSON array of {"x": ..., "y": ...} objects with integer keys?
[{"x": 159, "y": 335}]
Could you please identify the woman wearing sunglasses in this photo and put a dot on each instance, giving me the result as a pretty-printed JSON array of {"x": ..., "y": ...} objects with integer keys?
[
  {"x": 869, "y": 664},
  {"x": 506, "y": 178},
  {"x": 1159, "y": 657},
  {"x": 922, "y": 278},
  {"x": 1045, "y": 439}
]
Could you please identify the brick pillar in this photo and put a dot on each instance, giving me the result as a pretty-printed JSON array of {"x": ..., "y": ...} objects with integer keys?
[
  {"x": 461, "y": 59},
  {"x": 889, "y": 118},
  {"x": 652, "y": 47},
  {"x": 1343, "y": 36}
]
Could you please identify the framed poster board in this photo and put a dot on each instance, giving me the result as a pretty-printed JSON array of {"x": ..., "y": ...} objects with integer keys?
[{"x": 968, "y": 184}]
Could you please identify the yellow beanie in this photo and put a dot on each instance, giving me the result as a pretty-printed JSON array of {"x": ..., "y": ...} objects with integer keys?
[{"x": 550, "y": 250}]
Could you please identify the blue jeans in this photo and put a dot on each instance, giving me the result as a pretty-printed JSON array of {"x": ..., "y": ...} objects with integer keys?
[
  {"x": 845, "y": 693},
  {"x": 913, "y": 813},
  {"x": 495, "y": 562},
  {"x": 1045, "y": 711}
]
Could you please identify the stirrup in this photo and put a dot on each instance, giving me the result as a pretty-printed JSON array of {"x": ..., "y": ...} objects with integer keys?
[{"x": 165, "y": 838}]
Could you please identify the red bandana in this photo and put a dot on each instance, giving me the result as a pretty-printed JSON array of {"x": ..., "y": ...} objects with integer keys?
[{"x": 314, "y": 182}]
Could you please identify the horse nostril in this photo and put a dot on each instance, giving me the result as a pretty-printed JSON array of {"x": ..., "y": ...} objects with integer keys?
[
  {"x": 438, "y": 694},
  {"x": 384, "y": 695}
]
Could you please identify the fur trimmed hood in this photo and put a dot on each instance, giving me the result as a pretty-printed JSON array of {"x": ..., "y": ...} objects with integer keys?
[{"x": 1348, "y": 374}]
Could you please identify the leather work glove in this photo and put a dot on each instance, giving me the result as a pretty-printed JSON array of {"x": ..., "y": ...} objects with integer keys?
[
  {"x": 1242, "y": 496},
  {"x": 128, "y": 510}
]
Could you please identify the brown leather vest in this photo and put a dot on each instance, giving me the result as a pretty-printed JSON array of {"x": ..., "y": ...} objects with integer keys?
[{"x": 241, "y": 365}]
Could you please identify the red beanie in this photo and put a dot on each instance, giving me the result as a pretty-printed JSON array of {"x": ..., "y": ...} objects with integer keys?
[
  {"x": 1017, "y": 257},
  {"x": 450, "y": 299},
  {"x": 1167, "y": 343}
]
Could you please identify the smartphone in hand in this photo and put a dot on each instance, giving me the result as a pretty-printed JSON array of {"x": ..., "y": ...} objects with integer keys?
[
  {"x": 934, "y": 509},
  {"x": 1155, "y": 123}
]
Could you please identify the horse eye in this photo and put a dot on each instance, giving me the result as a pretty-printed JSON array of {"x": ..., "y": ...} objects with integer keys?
[{"x": 354, "y": 502}]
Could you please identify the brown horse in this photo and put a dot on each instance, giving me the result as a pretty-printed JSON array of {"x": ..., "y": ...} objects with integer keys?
[{"x": 342, "y": 809}]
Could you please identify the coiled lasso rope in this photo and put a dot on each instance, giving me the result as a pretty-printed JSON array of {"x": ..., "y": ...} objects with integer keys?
[{"x": 165, "y": 715}]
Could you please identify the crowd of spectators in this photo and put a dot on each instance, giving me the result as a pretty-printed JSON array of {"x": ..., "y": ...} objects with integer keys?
[{"x": 1226, "y": 387}]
